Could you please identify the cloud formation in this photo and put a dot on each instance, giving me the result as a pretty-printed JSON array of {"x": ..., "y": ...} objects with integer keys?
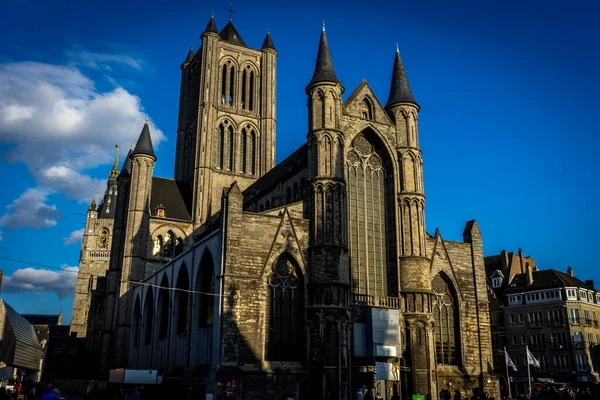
[
  {"x": 26, "y": 280},
  {"x": 104, "y": 61},
  {"x": 30, "y": 210},
  {"x": 53, "y": 107},
  {"x": 1, "y": 238},
  {"x": 74, "y": 237}
]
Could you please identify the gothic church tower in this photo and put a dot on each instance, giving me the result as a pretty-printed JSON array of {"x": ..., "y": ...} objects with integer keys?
[{"x": 226, "y": 129}]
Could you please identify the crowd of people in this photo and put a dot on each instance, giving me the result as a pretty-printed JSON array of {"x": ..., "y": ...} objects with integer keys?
[{"x": 13, "y": 389}]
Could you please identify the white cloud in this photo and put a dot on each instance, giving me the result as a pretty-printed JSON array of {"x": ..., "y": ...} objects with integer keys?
[
  {"x": 30, "y": 210},
  {"x": 1, "y": 238},
  {"x": 104, "y": 61},
  {"x": 60, "y": 125},
  {"x": 74, "y": 237},
  {"x": 62, "y": 282}
]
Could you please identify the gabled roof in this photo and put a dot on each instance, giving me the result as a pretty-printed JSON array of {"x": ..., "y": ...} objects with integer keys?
[
  {"x": 231, "y": 35},
  {"x": 174, "y": 196},
  {"x": 545, "y": 279},
  {"x": 20, "y": 346}
]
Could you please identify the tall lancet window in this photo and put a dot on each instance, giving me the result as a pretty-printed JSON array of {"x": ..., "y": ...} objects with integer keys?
[
  {"x": 243, "y": 147},
  {"x": 445, "y": 313},
  {"x": 252, "y": 152},
  {"x": 220, "y": 144},
  {"x": 230, "y": 148},
  {"x": 371, "y": 230},
  {"x": 285, "y": 304}
]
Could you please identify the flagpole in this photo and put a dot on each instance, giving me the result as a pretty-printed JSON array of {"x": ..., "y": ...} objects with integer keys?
[
  {"x": 528, "y": 369},
  {"x": 507, "y": 376}
]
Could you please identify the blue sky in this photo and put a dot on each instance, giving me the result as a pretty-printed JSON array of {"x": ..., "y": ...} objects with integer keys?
[{"x": 508, "y": 123}]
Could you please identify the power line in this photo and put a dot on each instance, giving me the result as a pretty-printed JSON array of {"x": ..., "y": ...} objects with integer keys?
[{"x": 172, "y": 289}]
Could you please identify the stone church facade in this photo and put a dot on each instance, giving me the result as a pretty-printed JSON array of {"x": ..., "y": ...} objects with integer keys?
[{"x": 310, "y": 278}]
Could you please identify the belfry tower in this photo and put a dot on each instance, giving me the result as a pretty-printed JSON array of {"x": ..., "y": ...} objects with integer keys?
[{"x": 226, "y": 129}]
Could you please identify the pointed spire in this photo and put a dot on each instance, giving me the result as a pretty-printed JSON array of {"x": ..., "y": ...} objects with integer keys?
[
  {"x": 114, "y": 172},
  {"x": 324, "y": 71},
  {"x": 399, "y": 88},
  {"x": 268, "y": 42},
  {"x": 126, "y": 169},
  {"x": 93, "y": 206},
  {"x": 211, "y": 27},
  {"x": 231, "y": 35},
  {"x": 144, "y": 143},
  {"x": 190, "y": 55}
]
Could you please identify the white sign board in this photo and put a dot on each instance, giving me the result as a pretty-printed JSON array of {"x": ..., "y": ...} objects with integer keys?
[{"x": 140, "y": 376}]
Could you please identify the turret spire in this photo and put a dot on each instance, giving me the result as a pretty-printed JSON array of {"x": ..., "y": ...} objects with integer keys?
[
  {"x": 144, "y": 143},
  {"x": 189, "y": 56},
  {"x": 399, "y": 88},
  {"x": 93, "y": 206},
  {"x": 268, "y": 42},
  {"x": 126, "y": 169},
  {"x": 114, "y": 172},
  {"x": 324, "y": 71},
  {"x": 211, "y": 27}
]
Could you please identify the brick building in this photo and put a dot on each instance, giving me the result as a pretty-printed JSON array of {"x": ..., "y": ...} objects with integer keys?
[
  {"x": 310, "y": 278},
  {"x": 552, "y": 312}
]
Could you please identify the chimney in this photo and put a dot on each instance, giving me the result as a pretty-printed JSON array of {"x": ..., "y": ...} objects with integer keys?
[
  {"x": 590, "y": 283},
  {"x": 521, "y": 260},
  {"x": 570, "y": 271},
  {"x": 529, "y": 273}
]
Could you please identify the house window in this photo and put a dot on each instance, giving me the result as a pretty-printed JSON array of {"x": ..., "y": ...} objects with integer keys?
[
  {"x": 512, "y": 318},
  {"x": 514, "y": 340},
  {"x": 445, "y": 313},
  {"x": 574, "y": 314},
  {"x": 496, "y": 282},
  {"x": 285, "y": 311},
  {"x": 520, "y": 318}
]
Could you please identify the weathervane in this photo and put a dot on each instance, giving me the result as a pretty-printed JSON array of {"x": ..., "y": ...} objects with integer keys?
[{"x": 230, "y": 10}]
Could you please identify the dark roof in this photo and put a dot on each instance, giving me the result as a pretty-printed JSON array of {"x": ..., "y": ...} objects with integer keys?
[
  {"x": 126, "y": 170},
  {"x": 231, "y": 35},
  {"x": 20, "y": 345},
  {"x": 144, "y": 143},
  {"x": 324, "y": 71},
  {"x": 211, "y": 27},
  {"x": 399, "y": 88},
  {"x": 543, "y": 279},
  {"x": 174, "y": 196},
  {"x": 189, "y": 57},
  {"x": 42, "y": 319},
  {"x": 268, "y": 42},
  {"x": 293, "y": 164}
]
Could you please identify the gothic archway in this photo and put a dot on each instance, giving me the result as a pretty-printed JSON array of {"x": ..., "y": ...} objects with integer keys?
[{"x": 445, "y": 312}]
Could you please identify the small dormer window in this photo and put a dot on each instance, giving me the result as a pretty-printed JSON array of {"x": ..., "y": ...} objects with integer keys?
[
  {"x": 496, "y": 282},
  {"x": 160, "y": 211}
]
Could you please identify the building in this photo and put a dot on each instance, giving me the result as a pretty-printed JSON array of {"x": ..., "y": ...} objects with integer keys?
[
  {"x": 309, "y": 278},
  {"x": 552, "y": 312},
  {"x": 20, "y": 351}
]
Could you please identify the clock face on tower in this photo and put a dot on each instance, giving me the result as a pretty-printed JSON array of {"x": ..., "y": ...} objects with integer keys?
[{"x": 102, "y": 240}]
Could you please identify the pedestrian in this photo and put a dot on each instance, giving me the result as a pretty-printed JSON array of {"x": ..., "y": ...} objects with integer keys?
[
  {"x": 48, "y": 395},
  {"x": 456, "y": 394},
  {"x": 370, "y": 394},
  {"x": 135, "y": 395},
  {"x": 359, "y": 395}
]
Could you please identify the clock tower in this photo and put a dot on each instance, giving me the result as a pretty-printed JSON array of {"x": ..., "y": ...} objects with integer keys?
[{"x": 95, "y": 250}]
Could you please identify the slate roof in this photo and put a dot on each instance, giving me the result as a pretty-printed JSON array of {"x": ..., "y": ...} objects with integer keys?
[
  {"x": 189, "y": 57},
  {"x": 19, "y": 346},
  {"x": 545, "y": 279},
  {"x": 293, "y": 164},
  {"x": 144, "y": 143},
  {"x": 268, "y": 42},
  {"x": 211, "y": 27},
  {"x": 324, "y": 71},
  {"x": 399, "y": 88},
  {"x": 175, "y": 196},
  {"x": 126, "y": 170},
  {"x": 231, "y": 35}
]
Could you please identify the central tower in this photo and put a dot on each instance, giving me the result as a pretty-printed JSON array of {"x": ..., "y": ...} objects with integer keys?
[{"x": 226, "y": 129}]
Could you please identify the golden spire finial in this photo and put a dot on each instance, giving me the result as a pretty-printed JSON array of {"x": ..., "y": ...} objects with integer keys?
[{"x": 146, "y": 119}]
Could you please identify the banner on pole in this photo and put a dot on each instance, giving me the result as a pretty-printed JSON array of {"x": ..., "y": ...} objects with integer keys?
[{"x": 509, "y": 362}]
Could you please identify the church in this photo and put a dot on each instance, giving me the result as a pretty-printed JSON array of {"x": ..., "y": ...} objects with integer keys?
[{"x": 308, "y": 279}]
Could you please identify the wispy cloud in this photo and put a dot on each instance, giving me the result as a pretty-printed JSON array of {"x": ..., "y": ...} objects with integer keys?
[
  {"x": 30, "y": 210},
  {"x": 62, "y": 282},
  {"x": 1, "y": 238},
  {"x": 104, "y": 61},
  {"x": 74, "y": 237}
]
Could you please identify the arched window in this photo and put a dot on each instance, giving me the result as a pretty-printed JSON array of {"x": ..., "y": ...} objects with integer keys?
[
  {"x": 182, "y": 300},
  {"x": 288, "y": 195},
  {"x": 91, "y": 284},
  {"x": 251, "y": 94},
  {"x": 223, "y": 84},
  {"x": 158, "y": 246},
  {"x": 230, "y": 148},
  {"x": 137, "y": 315},
  {"x": 169, "y": 243},
  {"x": 371, "y": 216},
  {"x": 285, "y": 305},
  {"x": 367, "y": 109},
  {"x": 206, "y": 285},
  {"x": 163, "y": 309},
  {"x": 243, "y": 149},
  {"x": 178, "y": 247},
  {"x": 295, "y": 192},
  {"x": 252, "y": 152},
  {"x": 148, "y": 316},
  {"x": 231, "y": 85},
  {"x": 445, "y": 313},
  {"x": 220, "y": 144},
  {"x": 268, "y": 204},
  {"x": 244, "y": 87}
]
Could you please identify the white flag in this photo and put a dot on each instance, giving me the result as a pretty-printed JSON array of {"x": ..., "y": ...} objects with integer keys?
[
  {"x": 531, "y": 360},
  {"x": 509, "y": 362}
]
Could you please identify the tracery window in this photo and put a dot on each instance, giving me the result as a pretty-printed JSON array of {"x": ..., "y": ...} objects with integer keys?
[
  {"x": 371, "y": 223},
  {"x": 169, "y": 243},
  {"x": 178, "y": 247},
  {"x": 366, "y": 109},
  {"x": 445, "y": 312},
  {"x": 285, "y": 305},
  {"x": 158, "y": 246}
]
